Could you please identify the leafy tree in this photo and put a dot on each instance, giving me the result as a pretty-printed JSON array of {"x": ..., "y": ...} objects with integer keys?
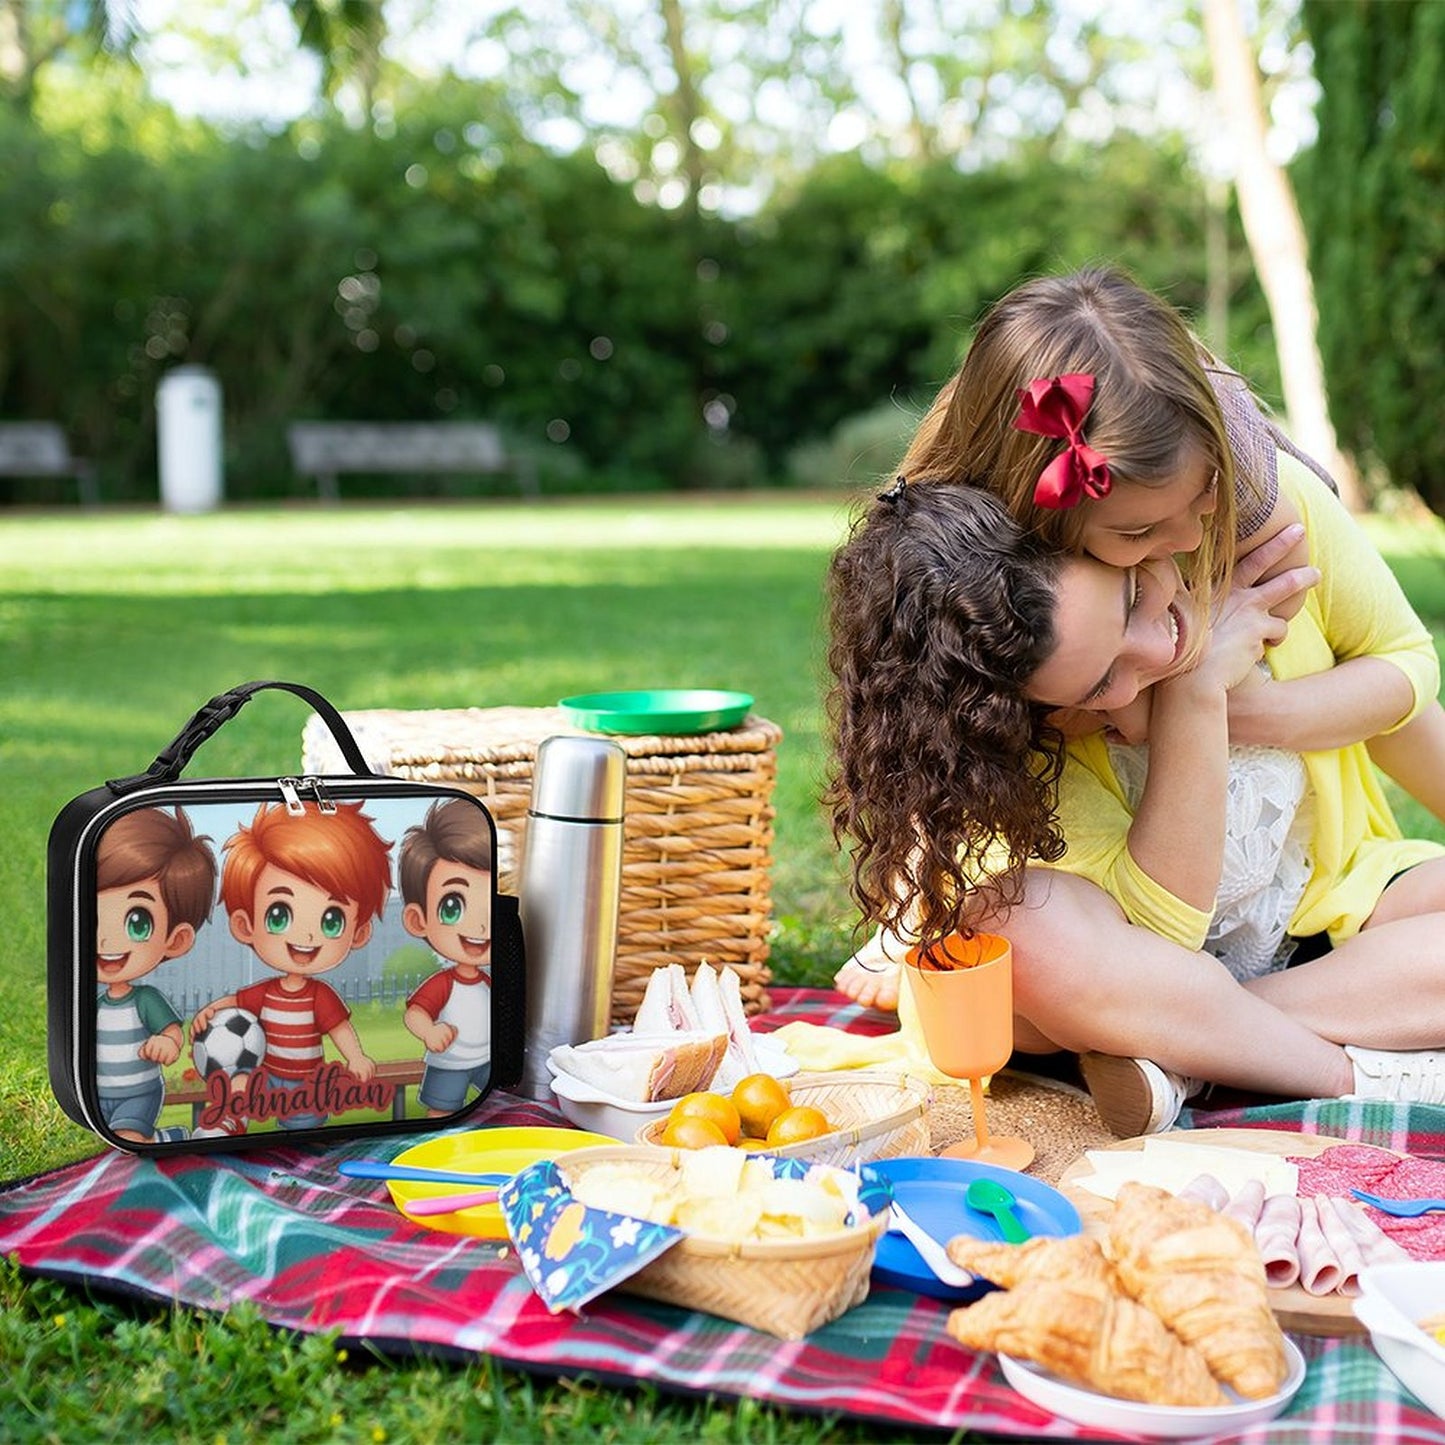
[
  {"x": 37, "y": 33},
  {"x": 346, "y": 35},
  {"x": 864, "y": 284},
  {"x": 1276, "y": 238},
  {"x": 1370, "y": 191}
]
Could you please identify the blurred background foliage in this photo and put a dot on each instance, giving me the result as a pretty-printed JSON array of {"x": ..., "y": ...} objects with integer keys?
[{"x": 757, "y": 276}]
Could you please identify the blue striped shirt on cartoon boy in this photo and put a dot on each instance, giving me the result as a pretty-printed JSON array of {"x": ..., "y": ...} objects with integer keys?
[{"x": 155, "y": 886}]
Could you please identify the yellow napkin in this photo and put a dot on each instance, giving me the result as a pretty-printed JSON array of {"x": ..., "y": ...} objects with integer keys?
[{"x": 819, "y": 1048}]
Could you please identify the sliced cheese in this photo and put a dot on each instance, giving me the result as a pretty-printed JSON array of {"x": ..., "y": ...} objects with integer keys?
[{"x": 1171, "y": 1163}]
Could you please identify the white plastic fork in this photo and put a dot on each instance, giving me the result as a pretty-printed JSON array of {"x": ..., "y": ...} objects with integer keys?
[{"x": 930, "y": 1250}]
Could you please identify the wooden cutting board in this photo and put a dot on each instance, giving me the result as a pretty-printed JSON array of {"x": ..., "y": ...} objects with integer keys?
[{"x": 1295, "y": 1308}]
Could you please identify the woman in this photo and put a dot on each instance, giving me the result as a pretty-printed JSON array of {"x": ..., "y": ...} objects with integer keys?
[
  {"x": 956, "y": 637},
  {"x": 1166, "y": 454}
]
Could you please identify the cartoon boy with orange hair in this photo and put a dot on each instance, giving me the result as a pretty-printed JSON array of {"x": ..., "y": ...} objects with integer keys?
[
  {"x": 301, "y": 891},
  {"x": 155, "y": 885}
]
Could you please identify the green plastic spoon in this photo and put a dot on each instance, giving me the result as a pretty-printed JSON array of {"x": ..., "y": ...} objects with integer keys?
[{"x": 988, "y": 1196}]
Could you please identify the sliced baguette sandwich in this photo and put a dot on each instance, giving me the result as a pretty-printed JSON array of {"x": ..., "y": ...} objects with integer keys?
[
  {"x": 667, "y": 1004},
  {"x": 718, "y": 1001},
  {"x": 645, "y": 1068}
]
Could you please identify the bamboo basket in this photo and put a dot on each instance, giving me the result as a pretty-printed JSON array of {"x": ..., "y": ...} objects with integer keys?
[
  {"x": 876, "y": 1116},
  {"x": 697, "y": 836},
  {"x": 786, "y": 1287}
]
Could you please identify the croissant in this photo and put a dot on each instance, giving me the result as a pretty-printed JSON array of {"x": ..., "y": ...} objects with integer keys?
[
  {"x": 1079, "y": 1256},
  {"x": 1090, "y": 1335},
  {"x": 1201, "y": 1273}
]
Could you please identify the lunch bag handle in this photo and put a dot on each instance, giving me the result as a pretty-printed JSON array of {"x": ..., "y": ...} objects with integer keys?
[{"x": 221, "y": 709}]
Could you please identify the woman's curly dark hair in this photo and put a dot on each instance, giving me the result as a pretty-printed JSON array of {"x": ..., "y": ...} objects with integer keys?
[{"x": 943, "y": 773}]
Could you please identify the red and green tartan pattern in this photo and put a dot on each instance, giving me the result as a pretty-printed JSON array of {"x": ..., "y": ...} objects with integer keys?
[{"x": 314, "y": 1251}]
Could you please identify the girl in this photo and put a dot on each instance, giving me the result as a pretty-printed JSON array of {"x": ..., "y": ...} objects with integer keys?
[{"x": 956, "y": 636}]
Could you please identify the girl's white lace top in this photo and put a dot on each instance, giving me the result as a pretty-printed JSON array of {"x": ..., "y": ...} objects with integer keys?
[{"x": 1266, "y": 852}]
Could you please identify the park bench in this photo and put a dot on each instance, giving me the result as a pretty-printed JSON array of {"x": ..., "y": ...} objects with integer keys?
[
  {"x": 39, "y": 449},
  {"x": 326, "y": 450}
]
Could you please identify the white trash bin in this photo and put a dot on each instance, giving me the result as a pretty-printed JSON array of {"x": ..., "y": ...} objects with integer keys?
[{"x": 188, "y": 425}]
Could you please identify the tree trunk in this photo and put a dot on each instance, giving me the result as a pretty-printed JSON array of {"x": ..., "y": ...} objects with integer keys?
[
  {"x": 921, "y": 134},
  {"x": 1276, "y": 239},
  {"x": 1216, "y": 266},
  {"x": 686, "y": 108}
]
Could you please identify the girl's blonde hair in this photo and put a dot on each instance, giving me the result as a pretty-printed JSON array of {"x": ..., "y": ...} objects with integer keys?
[{"x": 1152, "y": 402}]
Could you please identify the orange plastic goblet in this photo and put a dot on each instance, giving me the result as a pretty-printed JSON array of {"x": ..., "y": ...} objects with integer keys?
[{"x": 963, "y": 991}]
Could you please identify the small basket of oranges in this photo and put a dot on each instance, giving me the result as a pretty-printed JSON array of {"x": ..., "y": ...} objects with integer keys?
[{"x": 842, "y": 1118}]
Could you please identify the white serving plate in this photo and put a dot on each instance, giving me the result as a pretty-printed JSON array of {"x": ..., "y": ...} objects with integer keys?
[
  {"x": 1393, "y": 1299},
  {"x": 1158, "y": 1422}
]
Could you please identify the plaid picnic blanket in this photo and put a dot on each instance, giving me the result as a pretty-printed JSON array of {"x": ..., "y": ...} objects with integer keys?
[{"x": 314, "y": 1251}]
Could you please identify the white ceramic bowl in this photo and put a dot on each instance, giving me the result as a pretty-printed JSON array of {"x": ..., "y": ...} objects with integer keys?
[
  {"x": 589, "y": 1108},
  {"x": 599, "y": 1112},
  {"x": 1393, "y": 1299}
]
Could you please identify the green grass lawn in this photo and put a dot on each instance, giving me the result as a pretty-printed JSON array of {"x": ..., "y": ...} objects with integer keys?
[{"x": 113, "y": 628}]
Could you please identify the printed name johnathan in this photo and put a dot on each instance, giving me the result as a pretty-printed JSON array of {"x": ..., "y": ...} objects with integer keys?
[{"x": 332, "y": 1089}]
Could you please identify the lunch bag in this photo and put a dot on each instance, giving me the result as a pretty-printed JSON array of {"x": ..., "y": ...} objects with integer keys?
[{"x": 242, "y": 961}]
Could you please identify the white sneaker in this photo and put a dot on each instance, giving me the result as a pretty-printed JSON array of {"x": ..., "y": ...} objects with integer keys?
[
  {"x": 1135, "y": 1096},
  {"x": 1406, "y": 1076}
]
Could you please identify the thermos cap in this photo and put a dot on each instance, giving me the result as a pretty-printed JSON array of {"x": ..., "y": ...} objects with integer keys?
[{"x": 581, "y": 778}]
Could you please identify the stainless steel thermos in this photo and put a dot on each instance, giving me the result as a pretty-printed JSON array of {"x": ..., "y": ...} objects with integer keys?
[{"x": 568, "y": 894}]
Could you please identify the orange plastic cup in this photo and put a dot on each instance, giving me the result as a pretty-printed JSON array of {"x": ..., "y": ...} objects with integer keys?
[
  {"x": 966, "y": 1008},
  {"x": 964, "y": 993}
]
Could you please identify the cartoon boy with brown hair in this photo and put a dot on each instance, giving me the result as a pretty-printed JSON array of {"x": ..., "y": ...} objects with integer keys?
[
  {"x": 446, "y": 882},
  {"x": 301, "y": 891},
  {"x": 155, "y": 887}
]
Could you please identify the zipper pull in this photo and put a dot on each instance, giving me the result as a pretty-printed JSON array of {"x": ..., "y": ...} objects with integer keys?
[
  {"x": 290, "y": 794},
  {"x": 323, "y": 803}
]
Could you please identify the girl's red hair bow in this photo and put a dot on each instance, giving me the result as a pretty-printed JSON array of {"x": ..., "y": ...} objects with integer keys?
[{"x": 1056, "y": 407}]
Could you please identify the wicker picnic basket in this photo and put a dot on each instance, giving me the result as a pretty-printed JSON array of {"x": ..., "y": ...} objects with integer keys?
[
  {"x": 697, "y": 837},
  {"x": 876, "y": 1116},
  {"x": 785, "y": 1287}
]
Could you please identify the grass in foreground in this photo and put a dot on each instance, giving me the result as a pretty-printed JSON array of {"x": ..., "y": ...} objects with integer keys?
[{"x": 113, "y": 628}]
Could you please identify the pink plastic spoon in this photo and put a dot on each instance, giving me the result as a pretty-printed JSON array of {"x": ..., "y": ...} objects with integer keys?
[{"x": 450, "y": 1203}]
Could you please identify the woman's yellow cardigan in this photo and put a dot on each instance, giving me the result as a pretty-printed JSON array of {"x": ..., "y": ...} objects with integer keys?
[{"x": 1357, "y": 610}]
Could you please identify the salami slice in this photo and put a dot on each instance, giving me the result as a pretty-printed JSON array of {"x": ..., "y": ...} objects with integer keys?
[{"x": 1344, "y": 1167}]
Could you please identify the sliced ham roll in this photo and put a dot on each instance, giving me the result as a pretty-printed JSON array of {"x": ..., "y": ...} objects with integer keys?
[
  {"x": 1320, "y": 1270},
  {"x": 1207, "y": 1190},
  {"x": 1276, "y": 1234},
  {"x": 1376, "y": 1247},
  {"x": 1341, "y": 1242},
  {"x": 1247, "y": 1204}
]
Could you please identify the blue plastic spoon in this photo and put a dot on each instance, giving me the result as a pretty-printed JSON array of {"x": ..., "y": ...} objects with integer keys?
[
  {"x": 1401, "y": 1208},
  {"x": 381, "y": 1169}
]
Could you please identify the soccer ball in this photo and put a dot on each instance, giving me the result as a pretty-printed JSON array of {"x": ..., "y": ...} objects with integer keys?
[{"x": 232, "y": 1043}]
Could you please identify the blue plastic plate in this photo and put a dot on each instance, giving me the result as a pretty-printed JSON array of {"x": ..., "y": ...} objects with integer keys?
[
  {"x": 932, "y": 1191},
  {"x": 661, "y": 711}
]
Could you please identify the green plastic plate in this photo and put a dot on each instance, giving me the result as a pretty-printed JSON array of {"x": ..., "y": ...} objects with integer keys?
[{"x": 661, "y": 710}]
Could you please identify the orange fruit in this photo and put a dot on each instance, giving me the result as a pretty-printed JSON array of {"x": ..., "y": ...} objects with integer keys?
[
  {"x": 692, "y": 1133},
  {"x": 715, "y": 1108},
  {"x": 760, "y": 1098},
  {"x": 795, "y": 1124}
]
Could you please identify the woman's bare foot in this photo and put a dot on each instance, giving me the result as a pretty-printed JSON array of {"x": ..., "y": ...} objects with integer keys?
[{"x": 870, "y": 977}]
